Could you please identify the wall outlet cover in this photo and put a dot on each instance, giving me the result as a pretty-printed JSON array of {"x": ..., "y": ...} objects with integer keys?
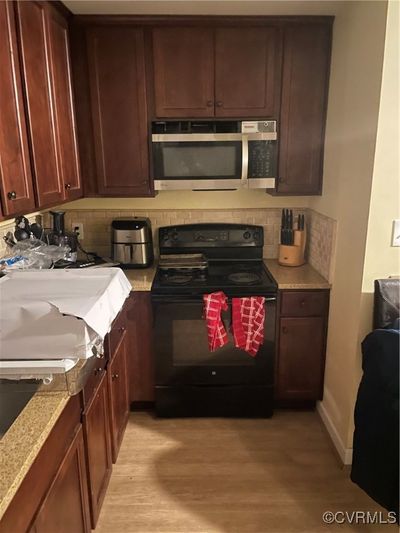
[{"x": 396, "y": 233}]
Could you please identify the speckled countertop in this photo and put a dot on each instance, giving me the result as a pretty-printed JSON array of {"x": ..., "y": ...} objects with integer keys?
[
  {"x": 141, "y": 278},
  {"x": 302, "y": 277},
  {"x": 20, "y": 445}
]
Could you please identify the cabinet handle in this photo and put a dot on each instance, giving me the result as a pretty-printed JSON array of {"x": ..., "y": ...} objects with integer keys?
[
  {"x": 12, "y": 195},
  {"x": 210, "y": 103},
  {"x": 114, "y": 376},
  {"x": 68, "y": 186},
  {"x": 218, "y": 103},
  {"x": 98, "y": 371}
]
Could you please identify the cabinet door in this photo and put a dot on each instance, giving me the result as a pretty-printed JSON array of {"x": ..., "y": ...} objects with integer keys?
[
  {"x": 118, "y": 394},
  {"x": 247, "y": 72},
  {"x": 63, "y": 103},
  {"x": 36, "y": 63},
  {"x": 65, "y": 507},
  {"x": 301, "y": 358},
  {"x": 118, "y": 101},
  {"x": 140, "y": 355},
  {"x": 183, "y": 72},
  {"x": 15, "y": 170},
  {"x": 96, "y": 426},
  {"x": 306, "y": 60}
]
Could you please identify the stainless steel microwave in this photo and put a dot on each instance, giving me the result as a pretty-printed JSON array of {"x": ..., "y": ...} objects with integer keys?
[{"x": 214, "y": 155}]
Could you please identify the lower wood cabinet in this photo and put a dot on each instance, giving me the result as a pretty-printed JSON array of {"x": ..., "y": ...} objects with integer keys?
[
  {"x": 96, "y": 431},
  {"x": 301, "y": 343},
  {"x": 65, "y": 507},
  {"x": 140, "y": 356},
  {"x": 118, "y": 385}
]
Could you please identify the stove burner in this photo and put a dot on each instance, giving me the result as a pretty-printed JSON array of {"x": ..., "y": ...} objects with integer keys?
[
  {"x": 178, "y": 279},
  {"x": 244, "y": 278}
]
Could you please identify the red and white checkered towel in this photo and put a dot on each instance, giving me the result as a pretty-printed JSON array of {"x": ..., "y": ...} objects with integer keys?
[
  {"x": 214, "y": 304},
  {"x": 248, "y": 316}
]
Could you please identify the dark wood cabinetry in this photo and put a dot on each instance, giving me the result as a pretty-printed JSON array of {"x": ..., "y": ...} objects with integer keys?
[
  {"x": 118, "y": 384},
  {"x": 247, "y": 72},
  {"x": 302, "y": 331},
  {"x": 141, "y": 357},
  {"x": 119, "y": 110},
  {"x": 98, "y": 446},
  {"x": 183, "y": 72},
  {"x": 306, "y": 61},
  {"x": 34, "y": 41},
  {"x": 223, "y": 72},
  {"x": 15, "y": 170},
  {"x": 65, "y": 506},
  {"x": 64, "y": 105}
]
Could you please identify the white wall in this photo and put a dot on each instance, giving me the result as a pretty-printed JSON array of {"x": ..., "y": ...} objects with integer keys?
[{"x": 354, "y": 99}]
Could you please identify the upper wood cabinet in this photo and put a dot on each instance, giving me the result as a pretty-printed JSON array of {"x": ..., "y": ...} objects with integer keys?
[
  {"x": 223, "y": 72},
  {"x": 119, "y": 114},
  {"x": 247, "y": 72},
  {"x": 306, "y": 62},
  {"x": 64, "y": 105},
  {"x": 46, "y": 74},
  {"x": 183, "y": 72},
  {"x": 15, "y": 170}
]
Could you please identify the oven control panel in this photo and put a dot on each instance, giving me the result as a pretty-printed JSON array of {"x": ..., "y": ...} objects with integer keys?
[{"x": 211, "y": 235}]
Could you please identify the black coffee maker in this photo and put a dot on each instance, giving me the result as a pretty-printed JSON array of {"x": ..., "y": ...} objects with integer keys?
[{"x": 59, "y": 237}]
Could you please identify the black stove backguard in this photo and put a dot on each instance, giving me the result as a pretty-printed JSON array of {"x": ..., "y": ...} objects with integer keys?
[{"x": 191, "y": 380}]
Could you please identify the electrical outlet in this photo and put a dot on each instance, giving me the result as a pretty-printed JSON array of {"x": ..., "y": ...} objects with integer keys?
[
  {"x": 78, "y": 228},
  {"x": 396, "y": 233}
]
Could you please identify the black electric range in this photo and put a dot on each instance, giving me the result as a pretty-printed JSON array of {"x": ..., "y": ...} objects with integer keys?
[{"x": 198, "y": 259}]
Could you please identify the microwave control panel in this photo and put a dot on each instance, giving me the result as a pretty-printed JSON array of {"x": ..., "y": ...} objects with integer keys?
[{"x": 262, "y": 159}]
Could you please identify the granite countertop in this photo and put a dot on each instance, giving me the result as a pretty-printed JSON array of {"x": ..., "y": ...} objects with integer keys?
[
  {"x": 141, "y": 278},
  {"x": 20, "y": 445},
  {"x": 302, "y": 277}
]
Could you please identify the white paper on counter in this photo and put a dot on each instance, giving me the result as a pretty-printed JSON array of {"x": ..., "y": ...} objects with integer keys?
[{"x": 33, "y": 306}]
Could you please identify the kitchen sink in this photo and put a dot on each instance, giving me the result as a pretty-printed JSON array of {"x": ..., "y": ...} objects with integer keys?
[{"x": 13, "y": 398}]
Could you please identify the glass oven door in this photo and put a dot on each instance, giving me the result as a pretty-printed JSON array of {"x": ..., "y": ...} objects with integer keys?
[
  {"x": 181, "y": 347},
  {"x": 195, "y": 163}
]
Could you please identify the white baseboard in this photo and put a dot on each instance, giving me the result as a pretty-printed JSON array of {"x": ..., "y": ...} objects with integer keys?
[{"x": 345, "y": 454}]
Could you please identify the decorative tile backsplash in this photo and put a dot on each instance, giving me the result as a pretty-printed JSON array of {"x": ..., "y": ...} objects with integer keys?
[{"x": 321, "y": 230}]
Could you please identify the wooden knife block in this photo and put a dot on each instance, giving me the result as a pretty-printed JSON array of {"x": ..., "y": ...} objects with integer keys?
[{"x": 293, "y": 255}]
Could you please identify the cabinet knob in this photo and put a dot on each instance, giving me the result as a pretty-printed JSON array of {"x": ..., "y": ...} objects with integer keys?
[
  {"x": 68, "y": 186},
  {"x": 98, "y": 371},
  {"x": 114, "y": 376},
  {"x": 210, "y": 103},
  {"x": 122, "y": 329},
  {"x": 12, "y": 195},
  {"x": 284, "y": 329},
  {"x": 302, "y": 303},
  {"x": 218, "y": 103}
]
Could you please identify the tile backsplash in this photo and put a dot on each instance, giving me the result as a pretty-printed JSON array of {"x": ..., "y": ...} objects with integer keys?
[{"x": 321, "y": 230}]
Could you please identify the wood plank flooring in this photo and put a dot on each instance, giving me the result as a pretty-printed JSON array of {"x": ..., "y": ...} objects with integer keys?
[{"x": 276, "y": 475}]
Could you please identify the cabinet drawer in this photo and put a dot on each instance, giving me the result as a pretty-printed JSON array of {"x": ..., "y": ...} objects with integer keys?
[
  {"x": 94, "y": 380},
  {"x": 117, "y": 332},
  {"x": 304, "y": 303}
]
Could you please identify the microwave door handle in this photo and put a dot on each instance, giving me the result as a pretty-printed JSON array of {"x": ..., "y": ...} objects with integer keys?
[{"x": 245, "y": 162}]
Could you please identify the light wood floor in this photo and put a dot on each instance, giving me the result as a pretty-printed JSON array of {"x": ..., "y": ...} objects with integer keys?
[{"x": 227, "y": 475}]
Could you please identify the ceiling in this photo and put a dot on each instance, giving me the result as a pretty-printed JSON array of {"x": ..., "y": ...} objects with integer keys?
[{"x": 205, "y": 7}]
